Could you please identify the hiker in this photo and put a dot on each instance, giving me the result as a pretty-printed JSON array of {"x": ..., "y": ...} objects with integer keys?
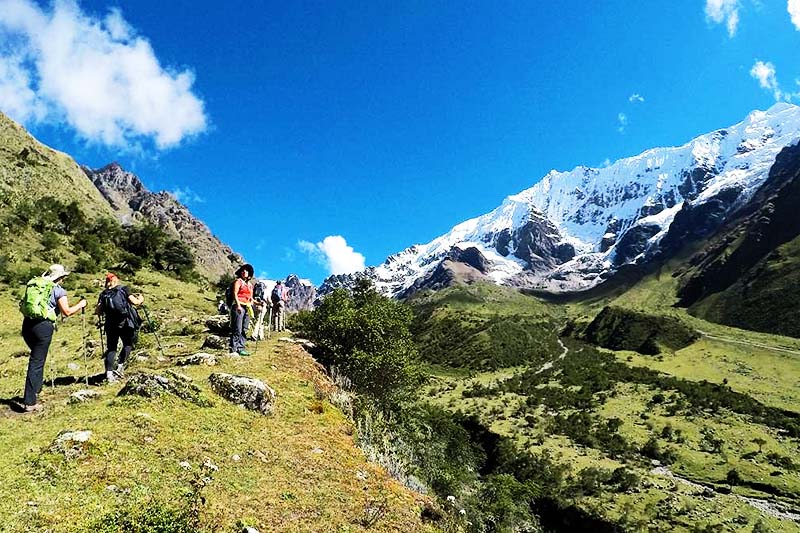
[
  {"x": 121, "y": 322},
  {"x": 222, "y": 308},
  {"x": 241, "y": 308},
  {"x": 278, "y": 297},
  {"x": 262, "y": 309},
  {"x": 44, "y": 300}
]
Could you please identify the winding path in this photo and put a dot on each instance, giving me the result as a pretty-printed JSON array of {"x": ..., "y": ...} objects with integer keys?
[
  {"x": 548, "y": 365},
  {"x": 773, "y": 509},
  {"x": 748, "y": 343}
]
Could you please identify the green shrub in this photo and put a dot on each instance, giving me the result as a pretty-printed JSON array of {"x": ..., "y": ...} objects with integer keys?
[{"x": 366, "y": 336}]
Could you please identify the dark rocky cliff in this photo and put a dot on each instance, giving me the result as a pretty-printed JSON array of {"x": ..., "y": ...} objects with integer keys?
[{"x": 132, "y": 202}]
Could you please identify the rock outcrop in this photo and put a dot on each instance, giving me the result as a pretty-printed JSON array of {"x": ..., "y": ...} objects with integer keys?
[
  {"x": 154, "y": 386},
  {"x": 132, "y": 202},
  {"x": 247, "y": 392}
]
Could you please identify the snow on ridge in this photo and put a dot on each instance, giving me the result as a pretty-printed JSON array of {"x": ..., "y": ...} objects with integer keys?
[{"x": 582, "y": 202}]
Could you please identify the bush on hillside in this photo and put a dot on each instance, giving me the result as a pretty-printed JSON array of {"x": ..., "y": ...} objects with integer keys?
[
  {"x": 366, "y": 336},
  {"x": 101, "y": 243}
]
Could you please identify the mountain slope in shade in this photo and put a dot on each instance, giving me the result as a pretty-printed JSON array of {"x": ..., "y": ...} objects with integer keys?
[
  {"x": 131, "y": 201},
  {"x": 572, "y": 230},
  {"x": 747, "y": 275}
]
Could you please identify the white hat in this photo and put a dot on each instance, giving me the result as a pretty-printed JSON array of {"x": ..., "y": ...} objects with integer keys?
[{"x": 55, "y": 272}]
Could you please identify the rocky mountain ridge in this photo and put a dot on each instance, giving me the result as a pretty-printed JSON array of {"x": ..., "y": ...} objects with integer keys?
[
  {"x": 573, "y": 230},
  {"x": 132, "y": 201}
]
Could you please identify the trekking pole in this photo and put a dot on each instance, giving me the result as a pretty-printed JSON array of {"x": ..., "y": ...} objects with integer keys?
[
  {"x": 153, "y": 330},
  {"x": 85, "y": 355}
]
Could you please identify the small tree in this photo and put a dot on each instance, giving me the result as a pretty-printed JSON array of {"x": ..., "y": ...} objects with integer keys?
[{"x": 758, "y": 441}]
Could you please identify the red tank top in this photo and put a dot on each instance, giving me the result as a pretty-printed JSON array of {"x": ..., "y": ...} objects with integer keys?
[{"x": 245, "y": 294}]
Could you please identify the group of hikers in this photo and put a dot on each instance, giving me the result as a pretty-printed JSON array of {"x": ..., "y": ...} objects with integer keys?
[
  {"x": 45, "y": 299},
  {"x": 246, "y": 301},
  {"x": 118, "y": 320}
]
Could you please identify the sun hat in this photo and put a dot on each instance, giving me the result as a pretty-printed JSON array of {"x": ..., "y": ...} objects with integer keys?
[{"x": 55, "y": 272}]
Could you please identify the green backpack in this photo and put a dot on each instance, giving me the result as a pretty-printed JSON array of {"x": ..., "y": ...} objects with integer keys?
[{"x": 36, "y": 301}]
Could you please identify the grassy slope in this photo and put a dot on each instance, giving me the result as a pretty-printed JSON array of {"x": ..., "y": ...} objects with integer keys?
[
  {"x": 297, "y": 469},
  {"x": 768, "y": 375},
  {"x": 767, "y": 301},
  {"x": 484, "y": 326},
  {"x": 43, "y": 171}
]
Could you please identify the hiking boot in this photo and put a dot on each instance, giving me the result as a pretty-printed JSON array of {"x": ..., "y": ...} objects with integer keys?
[
  {"x": 31, "y": 408},
  {"x": 244, "y": 352},
  {"x": 111, "y": 378}
]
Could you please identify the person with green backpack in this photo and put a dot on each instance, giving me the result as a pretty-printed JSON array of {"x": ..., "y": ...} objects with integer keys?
[{"x": 43, "y": 301}]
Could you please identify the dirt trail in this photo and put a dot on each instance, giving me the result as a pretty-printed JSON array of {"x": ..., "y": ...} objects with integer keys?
[
  {"x": 748, "y": 343},
  {"x": 773, "y": 509},
  {"x": 548, "y": 365}
]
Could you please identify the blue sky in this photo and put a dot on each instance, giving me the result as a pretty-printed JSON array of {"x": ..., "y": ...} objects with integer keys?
[{"x": 313, "y": 136}]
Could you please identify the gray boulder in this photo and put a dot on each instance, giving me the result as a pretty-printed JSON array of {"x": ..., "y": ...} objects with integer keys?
[
  {"x": 154, "y": 386},
  {"x": 219, "y": 325},
  {"x": 215, "y": 342},
  {"x": 250, "y": 393},
  {"x": 71, "y": 444},
  {"x": 83, "y": 396},
  {"x": 198, "y": 359}
]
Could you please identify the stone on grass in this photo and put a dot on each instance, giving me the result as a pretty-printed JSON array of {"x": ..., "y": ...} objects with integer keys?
[
  {"x": 154, "y": 386},
  {"x": 71, "y": 444},
  {"x": 219, "y": 325},
  {"x": 83, "y": 395},
  {"x": 200, "y": 358},
  {"x": 215, "y": 342},
  {"x": 248, "y": 392}
]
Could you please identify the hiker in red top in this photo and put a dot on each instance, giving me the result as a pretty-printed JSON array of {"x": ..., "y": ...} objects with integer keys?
[{"x": 241, "y": 308}]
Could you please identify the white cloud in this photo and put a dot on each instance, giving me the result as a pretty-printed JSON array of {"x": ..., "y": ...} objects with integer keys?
[
  {"x": 794, "y": 11},
  {"x": 726, "y": 11},
  {"x": 767, "y": 79},
  {"x": 335, "y": 254},
  {"x": 622, "y": 121},
  {"x": 98, "y": 76},
  {"x": 636, "y": 97},
  {"x": 187, "y": 196}
]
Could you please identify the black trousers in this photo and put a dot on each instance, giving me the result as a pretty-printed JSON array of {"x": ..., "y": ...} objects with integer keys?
[
  {"x": 113, "y": 336},
  {"x": 37, "y": 334}
]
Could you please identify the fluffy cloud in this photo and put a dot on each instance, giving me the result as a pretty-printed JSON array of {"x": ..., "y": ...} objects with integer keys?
[
  {"x": 767, "y": 79},
  {"x": 765, "y": 74},
  {"x": 726, "y": 11},
  {"x": 98, "y": 76},
  {"x": 636, "y": 97},
  {"x": 335, "y": 254},
  {"x": 794, "y": 12}
]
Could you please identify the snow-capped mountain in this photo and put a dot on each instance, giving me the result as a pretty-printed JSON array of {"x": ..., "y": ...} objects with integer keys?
[{"x": 572, "y": 230}]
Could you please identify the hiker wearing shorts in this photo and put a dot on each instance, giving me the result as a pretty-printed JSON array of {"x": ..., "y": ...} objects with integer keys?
[
  {"x": 40, "y": 323},
  {"x": 241, "y": 308},
  {"x": 121, "y": 323}
]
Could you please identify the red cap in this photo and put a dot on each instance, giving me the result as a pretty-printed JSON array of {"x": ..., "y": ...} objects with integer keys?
[{"x": 110, "y": 276}]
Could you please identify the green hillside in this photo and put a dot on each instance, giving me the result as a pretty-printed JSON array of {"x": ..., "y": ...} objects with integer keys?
[
  {"x": 673, "y": 440},
  {"x": 30, "y": 170},
  {"x": 295, "y": 470},
  {"x": 484, "y": 327}
]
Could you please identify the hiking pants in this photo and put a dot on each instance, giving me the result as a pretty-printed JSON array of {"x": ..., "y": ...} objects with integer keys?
[
  {"x": 113, "y": 336},
  {"x": 262, "y": 312},
  {"x": 37, "y": 334},
  {"x": 239, "y": 322}
]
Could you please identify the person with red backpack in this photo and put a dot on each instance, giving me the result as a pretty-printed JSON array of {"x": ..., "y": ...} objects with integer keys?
[
  {"x": 241, "y": 296},
  {"x": 44, "y": 300},
  {"x": 122, "y": 322}
]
